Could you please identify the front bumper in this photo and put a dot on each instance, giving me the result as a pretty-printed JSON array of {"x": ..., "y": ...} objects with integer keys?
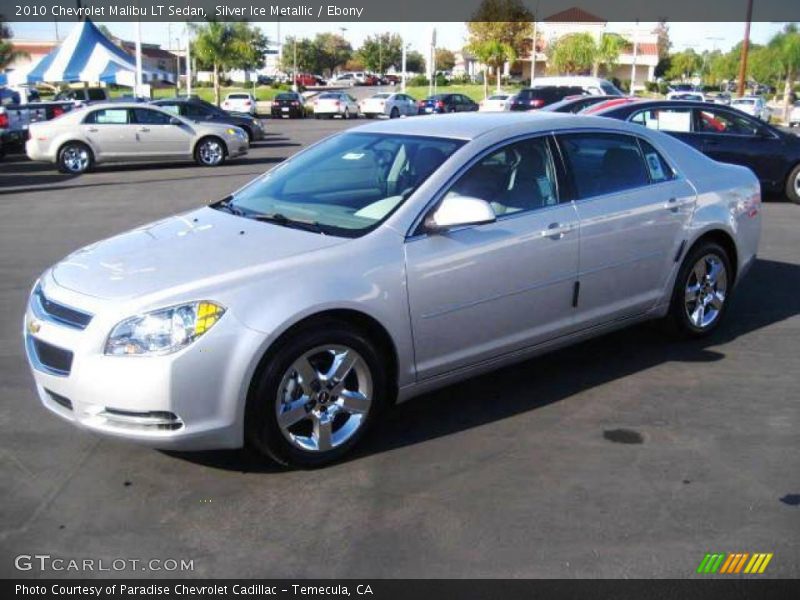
[{"x": 190, "y": 400}]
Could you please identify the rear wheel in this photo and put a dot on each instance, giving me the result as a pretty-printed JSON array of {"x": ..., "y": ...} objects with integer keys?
[
  {"x": 793, "y": 185},
  {"x": 316, "y": 396},
  {"x": 210, "y": 152},
  {"x": 75, "y": 158},
  {"x": 346, "y": 114},
  {"x": 395, "y": 113},
  {"x": 702, "y": 290}
]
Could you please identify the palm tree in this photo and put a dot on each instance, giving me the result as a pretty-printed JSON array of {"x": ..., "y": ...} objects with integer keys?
[
  {"x": 7, "y": 52},
  {"x": 494, "y": 54},
  {"x": 786, "y": 48},
  {"x": 608, "y": 51}
]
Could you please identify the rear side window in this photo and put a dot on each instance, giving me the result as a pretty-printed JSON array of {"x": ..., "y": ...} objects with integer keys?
[
  {"x": 108, "y": 116},
  {"x": 665, "y": 119},
  {"x": 657, "y": 168},
  {"x": 602, "y": 163}
]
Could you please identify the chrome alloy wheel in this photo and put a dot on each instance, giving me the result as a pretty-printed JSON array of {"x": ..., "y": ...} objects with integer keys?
[
  {"x": 324, "y": 398},
  {"x": 705, "y": 291},
  {"x": 211, "y": 152},
  {"x": 75, "y": 159}
]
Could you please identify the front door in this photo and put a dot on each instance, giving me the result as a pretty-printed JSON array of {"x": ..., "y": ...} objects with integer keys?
[
  {"x": 110, "y": 134},
  {"x": 157, "y": 136},
  {"x": 481, "y": 291}
]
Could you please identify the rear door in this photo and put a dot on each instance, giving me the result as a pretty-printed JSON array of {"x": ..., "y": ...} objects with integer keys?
[
  {"x": 110, "y": 133},
  {"x": 634, "y": 210},
  {"x": 481, "y": 291}
]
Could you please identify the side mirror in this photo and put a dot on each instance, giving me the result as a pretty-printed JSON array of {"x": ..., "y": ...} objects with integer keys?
[
  {"x": 175, "y": 121},
  {"x": 459, "y": 211}
]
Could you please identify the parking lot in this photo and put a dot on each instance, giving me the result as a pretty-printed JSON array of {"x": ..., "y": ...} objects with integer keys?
[{"x": 628, "y": 456}]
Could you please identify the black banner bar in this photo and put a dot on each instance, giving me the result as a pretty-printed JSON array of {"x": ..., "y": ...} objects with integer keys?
[
  {"x": 389, "y": 10},
  {"x": 414, "y": 589}
]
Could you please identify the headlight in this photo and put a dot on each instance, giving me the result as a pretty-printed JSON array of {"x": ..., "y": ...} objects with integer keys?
[{"x": 163, "y": 331}]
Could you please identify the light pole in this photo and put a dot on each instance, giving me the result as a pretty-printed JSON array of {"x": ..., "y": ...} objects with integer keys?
[
  {"x": 635, "y": 54},
  {"x": 403, "y": 67},
  {"x": 188, "y": 61},
  {"x": 745, "y": 50},
  {"x": 294, "y": 64}
]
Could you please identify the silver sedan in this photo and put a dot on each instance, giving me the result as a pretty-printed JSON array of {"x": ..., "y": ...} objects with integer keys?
[
  {"x": 381, "y": 263},
  {"x": 118, "y": 132}
]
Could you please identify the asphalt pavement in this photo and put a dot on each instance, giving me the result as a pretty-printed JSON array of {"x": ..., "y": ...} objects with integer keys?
[{"x": 631, "y": 455}]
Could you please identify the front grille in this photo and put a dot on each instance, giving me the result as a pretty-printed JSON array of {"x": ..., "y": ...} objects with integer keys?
[
  {"x": 52, "y": 358},
  {"x": 59, "y": 399},
  {"x": 60, "y": 313}
]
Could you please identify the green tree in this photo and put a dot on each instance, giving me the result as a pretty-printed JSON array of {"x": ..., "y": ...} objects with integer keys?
[
  {"x": 334, "y": 51},
  {"x": 684, "y": 65},
  {"x": 607, "y": 53},
  {"x": 224, "y": 46},
  {"x": 507, "y": 22},
  {"x": 573, "y": 53},
  {"x": 415, "y": 62},
  {"x": 493, "y": 54},
  {"x": 7, "y": 52},
  {"x": 381, "y": 51},
  {"x": 785, "y": 48},
  {"x": 307, "y": 55},
  {"x": 445, "y": 59}
]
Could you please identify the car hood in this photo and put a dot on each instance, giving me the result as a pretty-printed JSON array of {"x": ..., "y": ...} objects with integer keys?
[{"x": 183, "y": 252}]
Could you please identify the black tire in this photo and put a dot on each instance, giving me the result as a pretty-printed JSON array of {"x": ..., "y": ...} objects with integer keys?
[
  {"x": 199, "y": 152},
  {"x": 75, "y": 158},
  {"x": 395, "y": 113},
  {"x": 249, "y": 133},
  {"x": 346, "y": 115},
  {"x": 316, "y": 117},
  {"x": 679, "y": 317},
  {"x": 792, "y": 188},
  {"x": 262, "y": 431}
]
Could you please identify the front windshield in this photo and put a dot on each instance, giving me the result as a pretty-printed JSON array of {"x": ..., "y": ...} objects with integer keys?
[{"x": 347, "y": 184}]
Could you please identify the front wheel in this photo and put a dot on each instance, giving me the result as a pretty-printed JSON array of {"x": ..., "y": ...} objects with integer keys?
[
  {"x": 346, "y": 114},
  {"x": 395, "y": 113},
  {"x": 702, "y": 290},
  {"x": 210, "y": 152},
  {"x": 316, "y": 396},
  {"x": 793, "y": 185}
]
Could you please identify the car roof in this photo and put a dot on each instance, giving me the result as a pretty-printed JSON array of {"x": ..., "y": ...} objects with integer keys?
[{"x": 469, "y": 126}]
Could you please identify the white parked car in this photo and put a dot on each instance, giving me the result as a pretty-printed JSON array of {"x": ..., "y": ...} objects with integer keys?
[
  {"x": 594, "y": 86},
  {"x": 121, "y": 132},
  {"x": 755, "y": 106},
  {"x": 388, "y": 104},
  {"x": 240, "y": 102},
  {"x": 794, "y": 115},
  {"x": 332, "y": 104},
  {"x": 382, "y": 263},
  {"x": 496, "y": 103}
]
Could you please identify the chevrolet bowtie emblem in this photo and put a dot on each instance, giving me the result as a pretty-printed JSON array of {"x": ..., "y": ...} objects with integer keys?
[{"x": 34, "y": 326}]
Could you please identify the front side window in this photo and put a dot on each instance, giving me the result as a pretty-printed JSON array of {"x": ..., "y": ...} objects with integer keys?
[
  {"x": 358, "y": 179},
  {"x": 145, "y": 116},
  {"x": 516, "y": 178},
  {"x": 718, "y": 121},
  {"x": 602, "y": 163},
  {"x": 108, "y": 116},
  {"x": 665, "y": 119}
]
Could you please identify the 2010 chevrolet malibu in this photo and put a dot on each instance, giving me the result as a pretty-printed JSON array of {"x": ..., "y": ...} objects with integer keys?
[{"x": 381, "y": 263}]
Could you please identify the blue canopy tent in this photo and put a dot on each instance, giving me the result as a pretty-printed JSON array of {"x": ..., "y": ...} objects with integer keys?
[{"x": 89, "y": 56}]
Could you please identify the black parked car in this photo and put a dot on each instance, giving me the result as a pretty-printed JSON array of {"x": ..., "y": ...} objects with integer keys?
[
  {"x": 574, "y": 105},
  {"x": 288, "y": 104},
  {"x": 200, "y": 110},
  {"x": 725, "y": 134},
  {"x": 539, "y": 97},
  {"x": 446, "y": 103}
]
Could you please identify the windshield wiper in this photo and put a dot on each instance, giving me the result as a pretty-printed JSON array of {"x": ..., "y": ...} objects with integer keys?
[
  {"x": 227, "y": 205},
  {"x": 281, "y": 219}
]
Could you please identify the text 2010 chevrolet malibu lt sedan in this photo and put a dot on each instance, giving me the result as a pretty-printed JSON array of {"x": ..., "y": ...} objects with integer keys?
[
  {"x": 117, "y": 132},
  {"x": 380, "y": 263}
]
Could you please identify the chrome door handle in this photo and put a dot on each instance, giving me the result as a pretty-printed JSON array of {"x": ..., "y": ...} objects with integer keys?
[
  {"x": 144, "y": 129},
  {"x": 556, "y": 231},
  {"x": 92, "y": 129}
]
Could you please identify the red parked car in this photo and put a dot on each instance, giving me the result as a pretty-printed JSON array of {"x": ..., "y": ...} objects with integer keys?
[{"x": 308, "y": 80}]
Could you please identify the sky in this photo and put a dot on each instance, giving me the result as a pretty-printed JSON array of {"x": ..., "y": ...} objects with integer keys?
[{"x": 449, "y": 35}]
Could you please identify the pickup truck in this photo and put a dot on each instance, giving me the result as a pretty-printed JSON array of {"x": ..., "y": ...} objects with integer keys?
[{"x": 15, "y": 119}]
